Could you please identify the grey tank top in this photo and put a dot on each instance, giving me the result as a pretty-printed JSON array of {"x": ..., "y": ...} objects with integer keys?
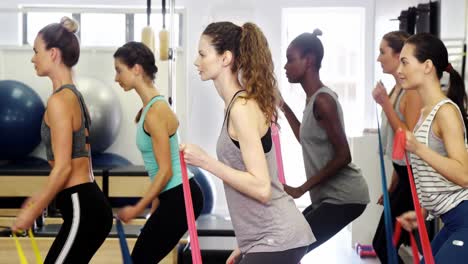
[
  {"x": 275, "y": 226},
  {"x": 387, "y": 131},
  {"x": 348, "y": 185},
  {"x": 79, "y": 137}
]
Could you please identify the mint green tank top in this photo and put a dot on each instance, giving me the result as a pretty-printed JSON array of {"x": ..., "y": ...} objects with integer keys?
[{"x": 145, "y": 145}]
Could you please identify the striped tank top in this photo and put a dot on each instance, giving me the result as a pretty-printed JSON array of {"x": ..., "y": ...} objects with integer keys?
[{"x": 436, "y": 193}]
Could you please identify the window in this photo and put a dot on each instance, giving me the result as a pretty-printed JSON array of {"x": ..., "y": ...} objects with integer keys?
[
  {"x": 102, "y": 29},
  {"x": 342, "y": 70},
  {"x": 99, "y": 26},
  {"x": 37, "y": 20}
]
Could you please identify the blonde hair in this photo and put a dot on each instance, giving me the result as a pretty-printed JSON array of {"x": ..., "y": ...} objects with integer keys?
[{"x": 70, "y": 24}]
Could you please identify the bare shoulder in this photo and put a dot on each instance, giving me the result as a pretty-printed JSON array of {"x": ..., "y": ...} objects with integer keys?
[
  {"x": 325, "y": 104},
  {"x": 59, "y": 102},
  {"x": 448, "y": 112},
  {"x": 244, "y": 108},
  {"x": 161, "y": 111},
  {"x": 448, "y": 119}
]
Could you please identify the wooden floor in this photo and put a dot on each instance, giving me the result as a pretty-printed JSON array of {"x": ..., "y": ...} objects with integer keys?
[{"x": 109, "y": 252}]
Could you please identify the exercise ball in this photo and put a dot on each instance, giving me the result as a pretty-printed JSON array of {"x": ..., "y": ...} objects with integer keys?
[
  {"x": 21, "y": 113},
  {"x": 207, "y": 188},
  {"x": 109, "y": 160},
  {"x": 105, "y": 111}
]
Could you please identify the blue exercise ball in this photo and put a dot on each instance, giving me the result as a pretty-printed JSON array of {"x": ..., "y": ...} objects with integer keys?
[
  {"x": 207, "y": 188},
  {"x": 21, "y": 113},
  {"x": 109, "y": 160}
]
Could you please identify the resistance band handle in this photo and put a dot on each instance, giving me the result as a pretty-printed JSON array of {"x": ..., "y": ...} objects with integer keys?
[{"x": 195, "y": 246}]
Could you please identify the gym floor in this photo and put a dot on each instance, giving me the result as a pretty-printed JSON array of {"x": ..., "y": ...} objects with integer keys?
[{"x": 337, "y": 250}]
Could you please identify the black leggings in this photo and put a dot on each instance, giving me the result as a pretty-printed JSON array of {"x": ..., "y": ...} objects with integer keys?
[
  {"x": 292, "y": 256},
  {"x": 166, "y": 225},
  {"x": 328, "y": 219},
  {"x": 400, "y": 202},
  {"x": 87, "y": 220}
]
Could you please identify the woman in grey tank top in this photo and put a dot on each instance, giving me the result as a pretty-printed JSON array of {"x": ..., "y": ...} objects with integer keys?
[
  {"x": 86, "y": 213},
  {"x": 401, "y": 109},
  {"x": 268, "y": 226},
  {"x": 337, "y": 189}
]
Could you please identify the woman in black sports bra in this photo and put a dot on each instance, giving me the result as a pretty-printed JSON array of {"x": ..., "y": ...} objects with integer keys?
[{"x": 86, "y": 213}]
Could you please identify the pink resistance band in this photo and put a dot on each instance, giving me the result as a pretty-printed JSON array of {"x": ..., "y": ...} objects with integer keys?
[
  {"x": 398, "y": 153},
  {"x": 195, "y": 246},
  {"x": 279, "y": 157}
]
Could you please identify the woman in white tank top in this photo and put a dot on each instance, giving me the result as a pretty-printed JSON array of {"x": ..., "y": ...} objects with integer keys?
[{"x": 439, "y": 155}]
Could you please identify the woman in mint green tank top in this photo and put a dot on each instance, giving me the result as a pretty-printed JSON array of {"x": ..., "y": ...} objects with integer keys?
[{"x": 157, "y": 139}]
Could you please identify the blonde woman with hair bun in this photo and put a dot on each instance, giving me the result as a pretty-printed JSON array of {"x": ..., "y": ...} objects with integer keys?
[{"x": 86, "y": 213}]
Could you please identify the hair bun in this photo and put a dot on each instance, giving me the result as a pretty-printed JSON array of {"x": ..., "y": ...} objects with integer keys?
[
  {"x": 70, "y": 24},
  {"x": 317, "y": 32}
]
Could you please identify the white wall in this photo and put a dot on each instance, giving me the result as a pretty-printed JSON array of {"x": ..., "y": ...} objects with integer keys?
[
  {"x": 385, "y": 13},
  {"x": 453, "y": 19}
]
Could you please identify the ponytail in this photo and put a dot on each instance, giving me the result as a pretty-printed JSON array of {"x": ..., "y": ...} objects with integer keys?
[
  {"x": 456, "y": 92},
  {"x": 257, "y": 70}
]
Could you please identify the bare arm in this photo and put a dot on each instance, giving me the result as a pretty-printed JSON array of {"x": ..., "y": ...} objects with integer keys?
[
  {"x": 454, "y": 167},
  {"x": 411, "y": 108},
  {"x": 61, "y": 128},
  {"x": 158, "y": 127},
  {"x": 326, "y": 110},
  {"x": 255, "y": 181}
]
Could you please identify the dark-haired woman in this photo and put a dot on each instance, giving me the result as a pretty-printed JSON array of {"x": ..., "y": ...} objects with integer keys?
[
  {"x": 336, "y": 186},
  {"x": 438, "y": 147},
  {"x": 157, "y": 139},
  {"x": 268, "y": 226},
  {"x": 87, "y": 216},
  {"x": 401, "y": 109}
]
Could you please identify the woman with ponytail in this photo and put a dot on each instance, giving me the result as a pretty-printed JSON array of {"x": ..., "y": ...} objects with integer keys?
[
  {"x": 438, "y": 147},
  {"x": 336, "y": 186},
  {"x": 87, "y": 216},
  {"x": 268, "y": 226}
]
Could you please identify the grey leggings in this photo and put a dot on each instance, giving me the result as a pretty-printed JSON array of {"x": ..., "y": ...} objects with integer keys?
[{"x": 292, "y": 256}]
